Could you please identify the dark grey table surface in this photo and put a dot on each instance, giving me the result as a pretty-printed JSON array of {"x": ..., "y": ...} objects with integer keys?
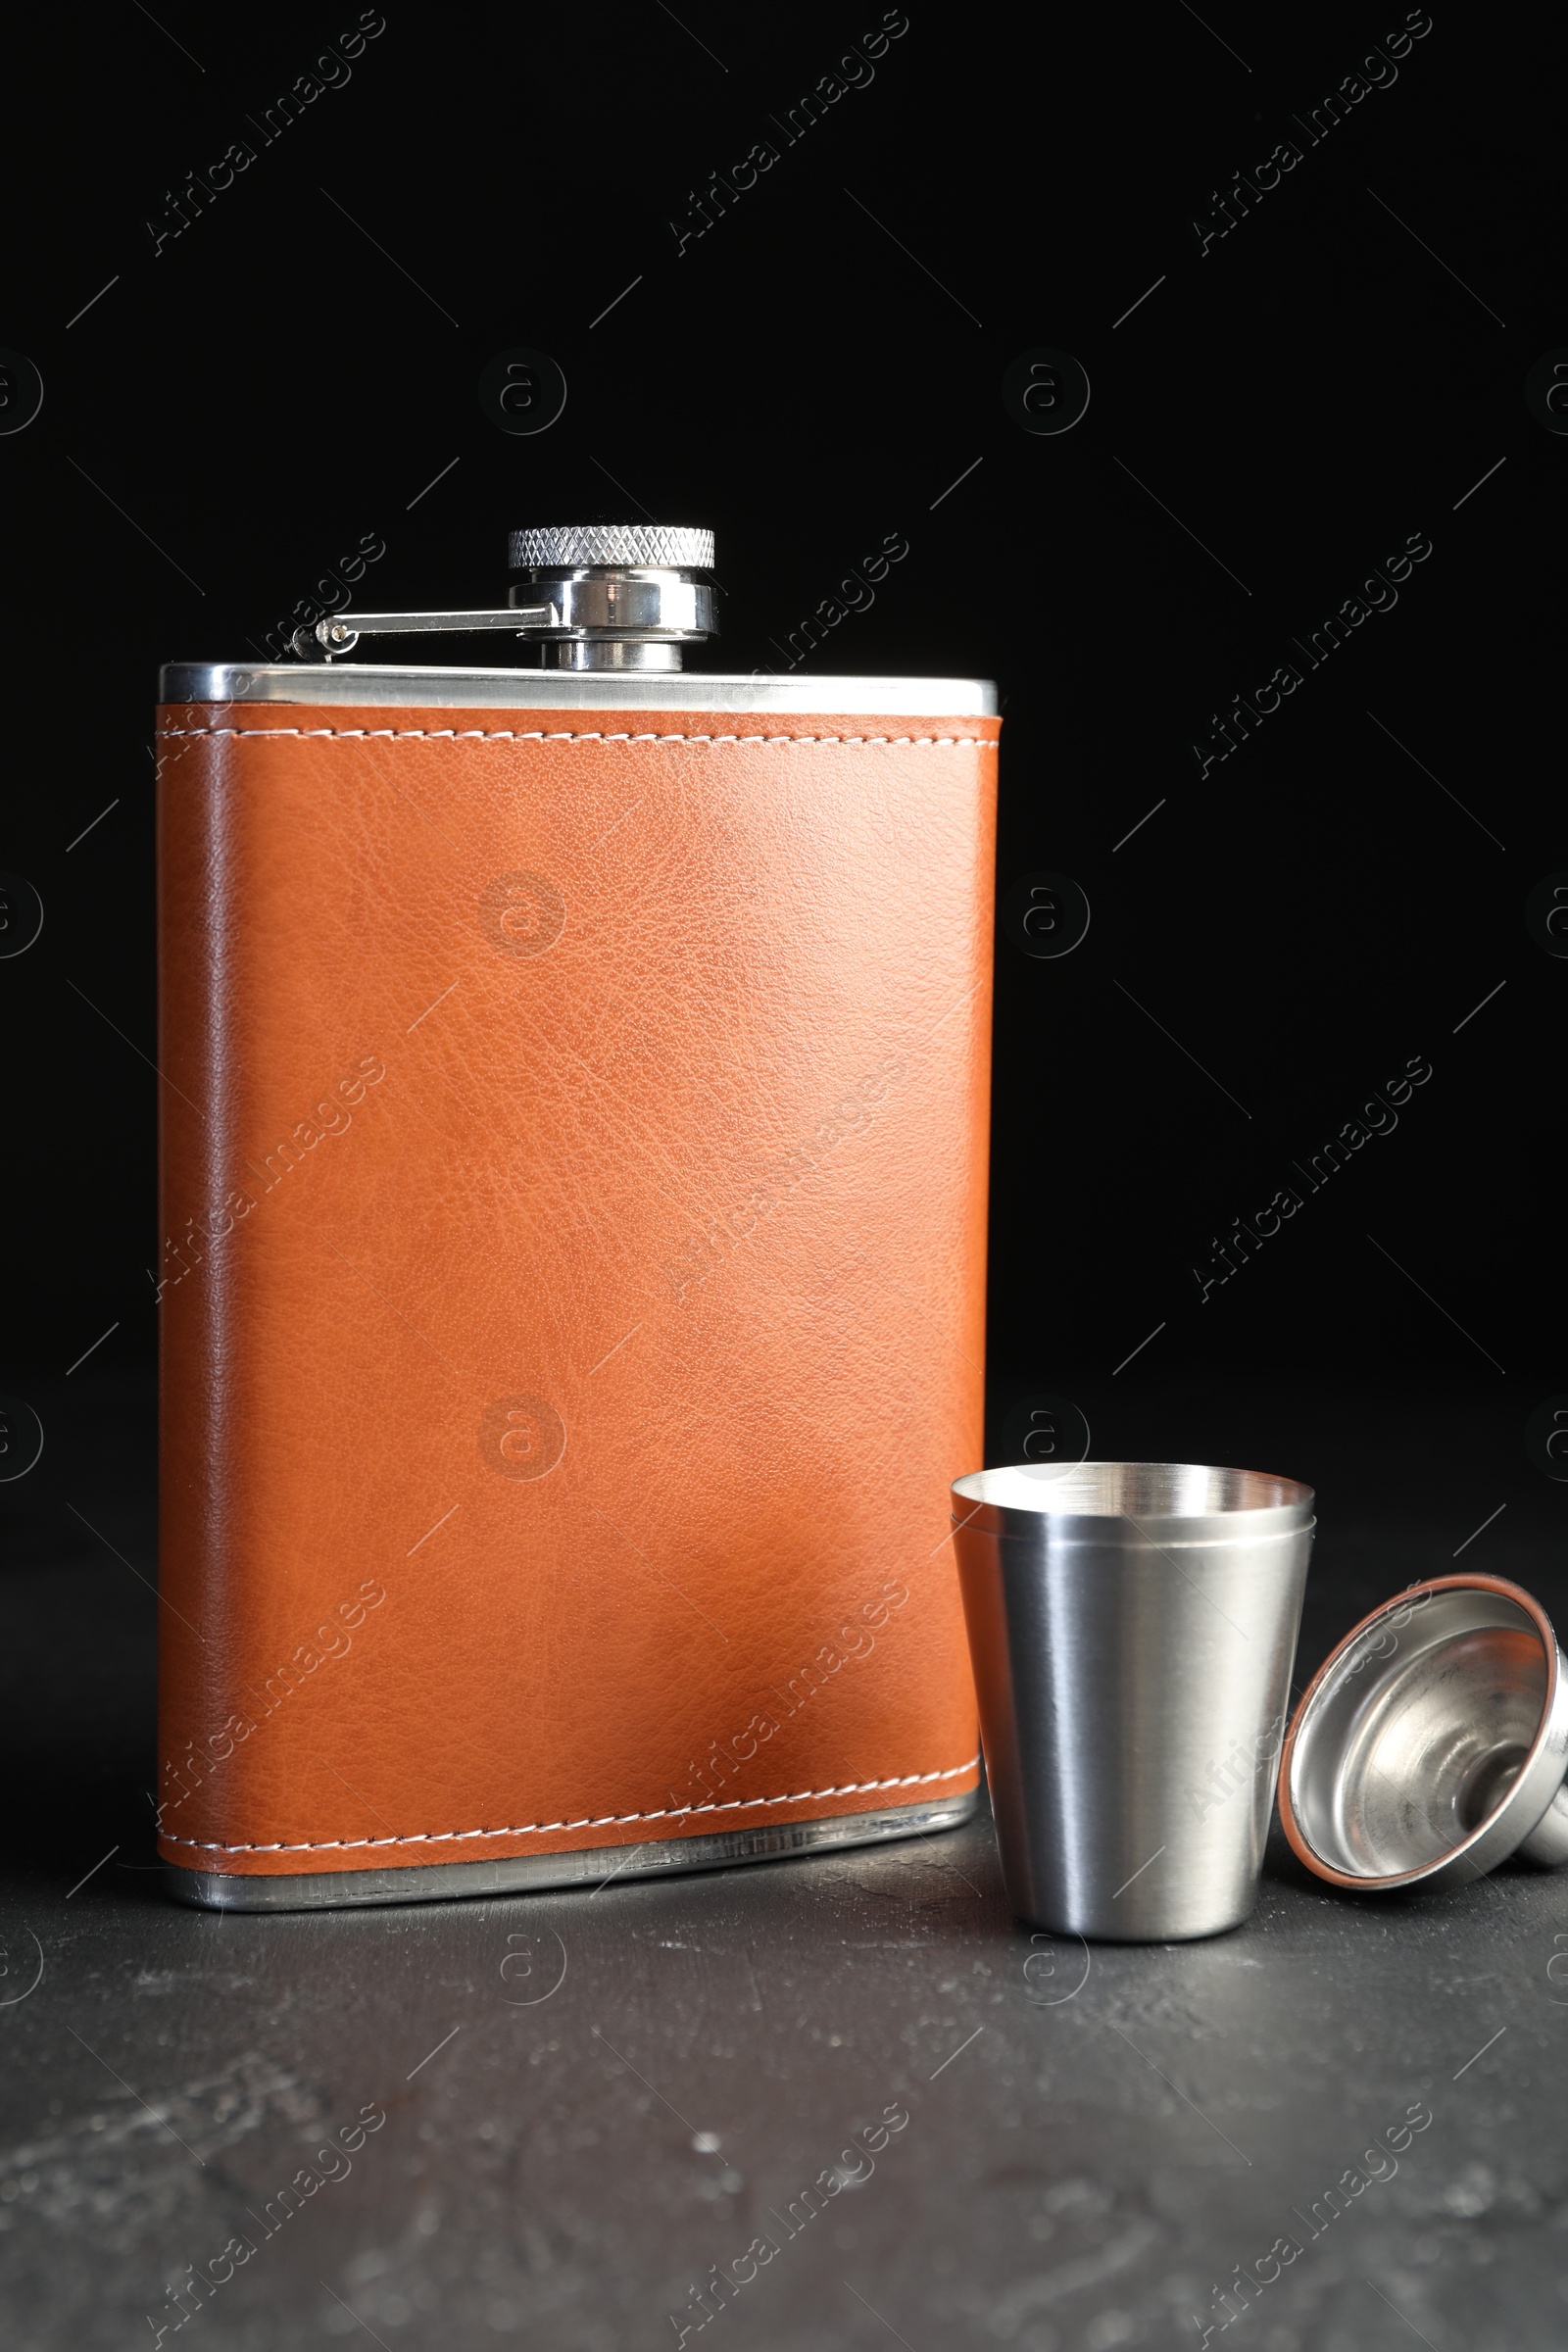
[{"x": 591, "y": 2101}]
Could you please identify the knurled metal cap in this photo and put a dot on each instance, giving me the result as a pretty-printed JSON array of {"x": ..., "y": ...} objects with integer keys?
[{"x": 643, "y": 546}]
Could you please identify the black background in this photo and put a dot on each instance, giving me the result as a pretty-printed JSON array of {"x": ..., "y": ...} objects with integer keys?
[
  {"x": 226, "y": 420},
  {"x": 220, "y": 425}
]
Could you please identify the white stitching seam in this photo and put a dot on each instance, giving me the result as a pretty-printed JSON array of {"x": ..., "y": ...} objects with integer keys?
[
  {"x": 537, "y": 735},
  {"x": 734, "y": 1804}
]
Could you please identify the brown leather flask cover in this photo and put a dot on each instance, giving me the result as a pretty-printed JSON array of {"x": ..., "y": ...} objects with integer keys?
[{"x": 573, "y": 1183}]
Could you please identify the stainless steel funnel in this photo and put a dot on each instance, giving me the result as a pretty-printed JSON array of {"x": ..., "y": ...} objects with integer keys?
[{"x": 1432, "y": 1742}]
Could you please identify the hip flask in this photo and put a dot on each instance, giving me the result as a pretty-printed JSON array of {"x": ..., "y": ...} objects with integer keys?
[{"x": 573, "y": 1176}]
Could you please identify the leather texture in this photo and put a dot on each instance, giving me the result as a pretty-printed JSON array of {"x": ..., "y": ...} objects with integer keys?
[{"x": 574, "y": 1181}]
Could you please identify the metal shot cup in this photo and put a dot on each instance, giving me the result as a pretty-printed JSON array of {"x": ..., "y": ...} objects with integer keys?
[{"x": 1132, "y": 1628}]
